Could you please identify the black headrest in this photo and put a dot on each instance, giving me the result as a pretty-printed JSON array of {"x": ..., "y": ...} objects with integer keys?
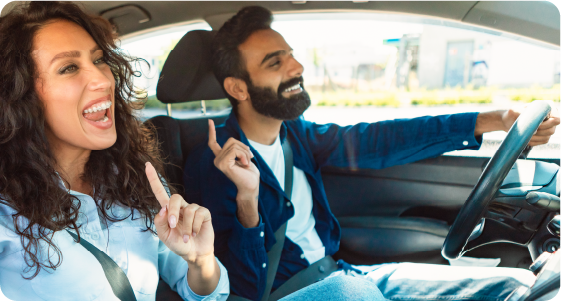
[{"x": 187, "y": 73}]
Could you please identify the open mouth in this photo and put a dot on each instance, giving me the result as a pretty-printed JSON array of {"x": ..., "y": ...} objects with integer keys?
[
  {"x": 297, "y": 88},
  {"x": 98, "y": 112}
]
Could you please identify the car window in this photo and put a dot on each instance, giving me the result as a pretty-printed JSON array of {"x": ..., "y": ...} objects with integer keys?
[
  {"x": 367, "y": 67},
  {"x": 154, "y": 47}
]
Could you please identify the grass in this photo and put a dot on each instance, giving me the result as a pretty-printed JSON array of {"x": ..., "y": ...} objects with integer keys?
[
  {"x": 535, "y": 93},
  {"x": 393, "y": 98}
]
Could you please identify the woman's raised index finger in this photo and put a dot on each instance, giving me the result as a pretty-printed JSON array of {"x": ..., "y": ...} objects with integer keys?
[
  {"x": 156, "y": 185},
  {"x": 214, "y": 146}
]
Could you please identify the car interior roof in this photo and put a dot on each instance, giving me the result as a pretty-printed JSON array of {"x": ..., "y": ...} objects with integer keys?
[{"x": 537, "y": 20}]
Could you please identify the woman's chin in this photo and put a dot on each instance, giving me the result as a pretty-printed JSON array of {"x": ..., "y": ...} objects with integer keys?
[{"x": 103, "y": 141}]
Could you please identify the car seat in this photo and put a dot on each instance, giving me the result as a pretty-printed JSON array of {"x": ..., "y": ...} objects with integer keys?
[{"x": 186, "y": 76}]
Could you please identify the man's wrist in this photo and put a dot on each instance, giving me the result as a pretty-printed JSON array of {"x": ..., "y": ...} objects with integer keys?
[
  {"x": 490, "y": 122},
  {"x": 248, "y": 213}
]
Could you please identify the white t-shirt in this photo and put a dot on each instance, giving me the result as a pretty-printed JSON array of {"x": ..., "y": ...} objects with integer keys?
[{"x": 300, "y": 229}]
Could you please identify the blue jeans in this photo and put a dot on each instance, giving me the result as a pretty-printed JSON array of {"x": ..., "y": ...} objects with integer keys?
[
  {"x": 417, "y": 281},
  {"x": 337, "y": 289}
]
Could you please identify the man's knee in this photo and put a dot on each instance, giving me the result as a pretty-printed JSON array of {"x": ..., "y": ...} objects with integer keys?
[{"x": 338, "y": 288}]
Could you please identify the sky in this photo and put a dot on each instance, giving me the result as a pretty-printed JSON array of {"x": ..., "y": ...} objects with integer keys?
[
  {"x": 3, "y": 2},
  {"x": 556, "y": 2}
]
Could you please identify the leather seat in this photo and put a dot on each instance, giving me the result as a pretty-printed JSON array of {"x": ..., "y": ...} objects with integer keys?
[{"x": 186, "y": 76}]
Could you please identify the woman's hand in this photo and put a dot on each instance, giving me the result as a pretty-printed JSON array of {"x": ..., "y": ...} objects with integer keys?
[
  {"x": 234, "y": 160},
  {"x": 186, "y": 229}
]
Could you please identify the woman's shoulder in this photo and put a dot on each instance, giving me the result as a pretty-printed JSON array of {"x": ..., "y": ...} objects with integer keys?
[
  {"x": 6, "y": 213},
  {"x": 10, "y": 241}
]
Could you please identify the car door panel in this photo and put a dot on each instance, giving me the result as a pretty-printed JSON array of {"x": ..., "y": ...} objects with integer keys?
[{"x": 402, "y": 213}]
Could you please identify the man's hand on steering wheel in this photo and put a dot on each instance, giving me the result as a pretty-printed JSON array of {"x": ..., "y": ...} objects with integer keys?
[{"x": 544, "y": 132}]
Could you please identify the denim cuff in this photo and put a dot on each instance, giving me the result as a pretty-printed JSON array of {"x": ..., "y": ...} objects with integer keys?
[
  {"x": 464, "y": 127},
  {"x": 248, "y": 238}
]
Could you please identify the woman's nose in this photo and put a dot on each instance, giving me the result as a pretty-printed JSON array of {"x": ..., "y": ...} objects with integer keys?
[{"x": 99, "y": 80}]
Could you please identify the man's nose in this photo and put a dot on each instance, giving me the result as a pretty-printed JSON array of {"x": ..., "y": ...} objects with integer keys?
[{"x": 295, "y": 69}]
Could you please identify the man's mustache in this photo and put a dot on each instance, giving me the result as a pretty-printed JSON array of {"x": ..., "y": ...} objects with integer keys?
[{"x": 291, "y": 82}]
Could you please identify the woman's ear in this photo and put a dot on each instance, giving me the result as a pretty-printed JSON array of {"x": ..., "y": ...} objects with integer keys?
[{"x": 237, "y": 88}]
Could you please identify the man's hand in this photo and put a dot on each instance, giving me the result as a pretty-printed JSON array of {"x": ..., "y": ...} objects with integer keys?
[
  {"x": 544, "y": 132},
  {"x": 186, "y": 229},
  {"x": 503, "y": 120},
  {"x": 234, "y": 160}
]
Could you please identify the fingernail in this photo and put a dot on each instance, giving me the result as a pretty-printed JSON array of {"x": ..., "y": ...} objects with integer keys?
[
  {"x": 146, "y": 164},
  {"x": 163, "y": 211},
  {"x": 194, "y": 234},
  {"x": 251, "y": 154},
  {"x": 172, "y": 221},
  {"x": 185, "y": 238}
]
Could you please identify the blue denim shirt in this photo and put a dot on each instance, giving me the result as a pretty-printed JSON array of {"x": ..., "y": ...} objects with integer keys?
[{"x": 377, "y": 145}]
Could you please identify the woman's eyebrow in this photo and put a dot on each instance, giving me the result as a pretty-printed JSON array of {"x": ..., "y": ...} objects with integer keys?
[
  {"x": 73, "y": 53},
  {"x": 65, "y": 54}
]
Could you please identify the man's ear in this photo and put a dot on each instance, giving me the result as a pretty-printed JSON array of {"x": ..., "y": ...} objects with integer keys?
[{"x": 237, "y": 88}]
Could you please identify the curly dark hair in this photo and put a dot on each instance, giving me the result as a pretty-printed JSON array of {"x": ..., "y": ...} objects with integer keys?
[
  {"x": 29, "y": 182},
  {"x": 227, "y": 60}
]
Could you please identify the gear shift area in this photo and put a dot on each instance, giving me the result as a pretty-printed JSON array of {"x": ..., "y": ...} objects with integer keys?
[{"x": 546, "y": 287}]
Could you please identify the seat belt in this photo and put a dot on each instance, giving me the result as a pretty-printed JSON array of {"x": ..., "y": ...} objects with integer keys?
[
  {"x": 115, "y": 276},
  {"x": 275, "y": 252}
]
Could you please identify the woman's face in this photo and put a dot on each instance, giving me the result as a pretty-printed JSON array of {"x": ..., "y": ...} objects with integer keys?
[{"x": 76, "y": 87}]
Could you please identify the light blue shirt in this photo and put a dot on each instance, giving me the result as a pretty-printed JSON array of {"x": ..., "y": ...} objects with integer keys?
[{"x": 141, "y": 255}]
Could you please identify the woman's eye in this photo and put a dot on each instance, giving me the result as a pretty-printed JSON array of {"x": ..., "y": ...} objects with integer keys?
[
  {"x": 100, "y": 60},
  {"x": 68, "y": 69}
]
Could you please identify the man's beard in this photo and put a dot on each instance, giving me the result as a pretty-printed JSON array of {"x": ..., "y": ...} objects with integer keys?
[{"x": 268, "y": 103}]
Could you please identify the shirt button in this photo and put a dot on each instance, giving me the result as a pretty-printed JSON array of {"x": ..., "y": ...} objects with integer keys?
[
  {"x": 465, "y": 143},
  {"x": 302, "y": 256},
  {"x": 261, "y": 234},
  {"x": 264, "y": 265},
  {"x": 95, "y": 236},
  {"x": 288, "y": 204}
]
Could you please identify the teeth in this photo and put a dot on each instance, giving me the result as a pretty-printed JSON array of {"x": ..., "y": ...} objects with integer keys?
[
  {"x": 103, "y": 120},
  {"x": 297, "y": 86},
  {"x": 104, "y": 106}
]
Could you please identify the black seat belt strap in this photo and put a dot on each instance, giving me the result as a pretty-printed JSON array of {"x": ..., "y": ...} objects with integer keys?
[{"x": 115, "y": 276}]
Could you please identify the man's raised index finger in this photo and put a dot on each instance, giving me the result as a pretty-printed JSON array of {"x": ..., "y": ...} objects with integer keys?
[
  {"x": 156, "y": 185},
  {"x": 214, "y": 146}
]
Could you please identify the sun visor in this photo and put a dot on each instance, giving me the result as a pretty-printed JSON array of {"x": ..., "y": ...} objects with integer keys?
[{"x": 187, "y": 73}]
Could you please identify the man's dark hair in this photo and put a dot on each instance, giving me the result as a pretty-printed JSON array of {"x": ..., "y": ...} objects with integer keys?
[{"x": 227, "y": 60}]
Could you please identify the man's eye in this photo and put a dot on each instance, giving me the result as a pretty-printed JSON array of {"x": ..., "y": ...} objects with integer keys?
[
  {"x": 274, "y": 64},
  {"x": 68, "y": 69}
]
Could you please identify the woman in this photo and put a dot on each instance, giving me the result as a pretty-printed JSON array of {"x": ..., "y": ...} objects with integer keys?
[{"x": 72, "y": 157}]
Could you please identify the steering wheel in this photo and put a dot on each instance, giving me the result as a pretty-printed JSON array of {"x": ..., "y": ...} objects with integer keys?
[{"x": 492, "y": 177}]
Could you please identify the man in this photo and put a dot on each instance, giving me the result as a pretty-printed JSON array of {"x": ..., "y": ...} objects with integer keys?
[{"x": 240, "y": 174}]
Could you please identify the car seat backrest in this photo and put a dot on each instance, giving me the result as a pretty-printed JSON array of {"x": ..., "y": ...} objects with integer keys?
[{"x": 186, "y": 76}]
